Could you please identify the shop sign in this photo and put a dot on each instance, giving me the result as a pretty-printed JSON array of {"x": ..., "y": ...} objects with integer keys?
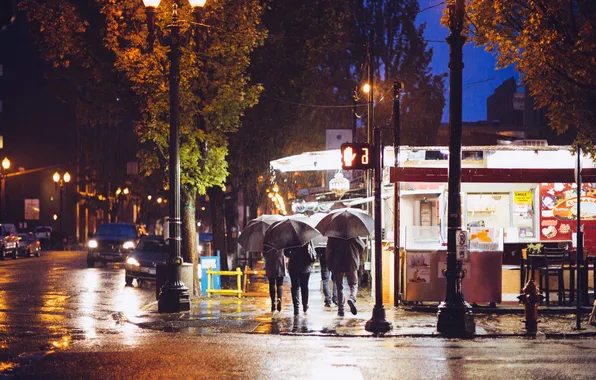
[{"x": 522, "y": 197}]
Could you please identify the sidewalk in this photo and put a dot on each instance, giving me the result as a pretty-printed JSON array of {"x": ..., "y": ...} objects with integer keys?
[{"x": 251, "y": 314}]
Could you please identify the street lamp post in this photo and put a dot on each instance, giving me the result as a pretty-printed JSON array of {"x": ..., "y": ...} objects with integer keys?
[
  {"x": 60, "y": 181},
  {"x": 5, "y": 166},
  {"x": 378, "y": 324},
  {"x": 174, "y": 295},
  {"x": 454, "y": 316}
]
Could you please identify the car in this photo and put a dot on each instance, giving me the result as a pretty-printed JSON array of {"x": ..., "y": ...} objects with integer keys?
[
  {"x": 142, "y": 263},
  {"x": 9, "y": 243},
  {"x": 29, "y": 244},
  {"x": 112, "y": 242},
  {"x": 43, "y": 234}
]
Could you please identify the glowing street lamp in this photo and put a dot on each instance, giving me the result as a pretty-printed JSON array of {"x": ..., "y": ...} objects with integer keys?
[
  {"x": 174, "y": 295},
  {"x": 5, "y": 167},
  {"x": 60, "y": 181}
]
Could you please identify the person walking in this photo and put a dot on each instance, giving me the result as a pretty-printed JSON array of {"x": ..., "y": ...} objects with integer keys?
[
  {"x": 299, "y": 267},
  {"x": 325, "y": 277},
  {"x": 343, "y": 259},
  {"x": 275, "y": 270}
]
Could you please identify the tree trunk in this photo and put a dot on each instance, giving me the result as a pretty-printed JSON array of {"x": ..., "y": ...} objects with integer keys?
[
  {"x": 231, "y": 215},
  {"x": 190, "y": 252},
  {"x": 216, "y": 210}
]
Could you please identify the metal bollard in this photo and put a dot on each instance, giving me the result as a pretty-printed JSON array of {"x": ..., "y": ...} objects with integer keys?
[{"x": 531, "y": 299}]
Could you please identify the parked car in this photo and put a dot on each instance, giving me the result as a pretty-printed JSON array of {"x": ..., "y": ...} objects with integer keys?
[
  {"x": 10, "y": 241},
  {"x": 142, "y": 263},
  {"x": 44, "y": 235},
  {"x": 112, "y": 242},
  {"x": 29, "y": 244}
]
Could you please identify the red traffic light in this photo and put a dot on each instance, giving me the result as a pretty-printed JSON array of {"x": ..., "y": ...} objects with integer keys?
[{"x": 356, "y": 156}]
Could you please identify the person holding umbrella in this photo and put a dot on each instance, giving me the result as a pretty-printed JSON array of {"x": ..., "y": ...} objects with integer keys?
[
  {"x": 275, "y": 269},
  {"x": 300, "y": 264},
  {"x": 343, "y": 259}
]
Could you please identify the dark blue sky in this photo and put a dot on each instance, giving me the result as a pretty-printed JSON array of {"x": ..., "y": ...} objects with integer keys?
[{"x": 479, "y": 65}]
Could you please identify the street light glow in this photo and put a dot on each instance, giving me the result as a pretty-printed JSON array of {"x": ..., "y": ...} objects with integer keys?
[
  {"x": 366, "y": 88},
  {"x": 66, "y": 177},
  {"x": 126, "y": 191},
  {"x": 159, "y": 200},
  {"x": 148, "y": 197},
  {"x": 56, "y": 177},
  {"x": 118, "y": 191},
  {"x": 151, "y": 3},
  {"x": 197, "y": 3},
  {"x": 6, "y": 163}
]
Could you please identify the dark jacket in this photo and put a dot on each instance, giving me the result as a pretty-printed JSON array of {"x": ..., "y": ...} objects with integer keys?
[
  {"x": 275, "y": 263},
  {"x": 343, "y": 255},
  {"x": 301, "y": 258}
]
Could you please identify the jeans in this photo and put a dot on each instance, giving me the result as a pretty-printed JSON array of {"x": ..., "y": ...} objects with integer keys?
[
  {"x": 352, "y": 278},
  {"x": 325, "y": 277},
  {"x": 300, "y": 282}
]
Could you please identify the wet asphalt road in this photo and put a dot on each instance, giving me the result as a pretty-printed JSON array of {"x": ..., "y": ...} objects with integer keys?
[{"x": 60, "y": 319}]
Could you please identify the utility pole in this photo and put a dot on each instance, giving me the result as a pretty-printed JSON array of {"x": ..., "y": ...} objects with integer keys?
[
  {"x": 454, "y": 317},
  {"x": 396, "y": 194}
]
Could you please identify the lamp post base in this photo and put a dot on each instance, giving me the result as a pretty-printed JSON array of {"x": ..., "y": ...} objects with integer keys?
[
  {"x": 174, "y": 297},
  {"x": 378, "y": 324},
  {"x": 455, "y": 320}
]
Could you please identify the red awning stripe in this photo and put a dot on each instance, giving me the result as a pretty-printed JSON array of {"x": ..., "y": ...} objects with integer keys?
[{"x": 486, "y": 175}]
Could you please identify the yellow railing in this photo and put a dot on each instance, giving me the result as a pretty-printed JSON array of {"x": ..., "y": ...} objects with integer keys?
[
  {"x": 237, "y": 273},
  {"x": 249, "y": 272}
]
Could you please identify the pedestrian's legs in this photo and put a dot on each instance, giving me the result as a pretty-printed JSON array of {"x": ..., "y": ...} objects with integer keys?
[
  {"x": 295, "y": 280},
  {"x": 279, "y": 282},
  {"x": 334, "y": 289},
  {"x": 353, "y": 285},
  {"x": 304, "y": 277},
  {"x": 325, "y": 279},
  {"x": 272, "y": 292},
  {"x": 338, "y": 279}
]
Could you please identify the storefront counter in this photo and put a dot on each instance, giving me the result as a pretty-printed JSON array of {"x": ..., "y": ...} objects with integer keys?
[{"x": 424, "y": 280}]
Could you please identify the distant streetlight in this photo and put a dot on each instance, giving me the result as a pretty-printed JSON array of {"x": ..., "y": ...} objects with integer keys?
[
  {"x": 366, "y": 88},
  {"x": 125, "y": 191},
  {"x": 148, "y": 197},
  {"x": 5, "y": 167},
  {"x": 60, "y": 181},
  {"x": 174, "y": 295}
]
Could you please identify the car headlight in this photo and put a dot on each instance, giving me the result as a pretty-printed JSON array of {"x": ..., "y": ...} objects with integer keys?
[
  {"x": 132, "y": 261},
  {"x": 128, "y": 245},
  {"x": 92, "y": 244}
]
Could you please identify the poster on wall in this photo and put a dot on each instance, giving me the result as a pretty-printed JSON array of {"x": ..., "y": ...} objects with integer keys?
[
  {"x": 558, "y": 211},
  {"x": 418, "y": 269},
  {"x": 31, "y": 209},
  {"x": 483, "y": 239}
]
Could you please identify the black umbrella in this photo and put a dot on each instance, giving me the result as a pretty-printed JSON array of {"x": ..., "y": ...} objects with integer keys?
[
  {"x": 289, "y": 233},
  {"x": 251, "y": 238},
  {"x": 346, "y": 224}
]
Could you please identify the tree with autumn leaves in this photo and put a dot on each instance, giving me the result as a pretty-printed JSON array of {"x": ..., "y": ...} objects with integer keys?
[
  {"x": 552, "y": 44},
  {"x": 99, "y": 48}
]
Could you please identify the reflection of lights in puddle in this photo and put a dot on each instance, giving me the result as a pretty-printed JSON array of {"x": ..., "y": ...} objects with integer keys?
[
  {"x": 88, "y": 326},
  {"x": 7, "y": 366},
  {"x": 62, "y": 343}
]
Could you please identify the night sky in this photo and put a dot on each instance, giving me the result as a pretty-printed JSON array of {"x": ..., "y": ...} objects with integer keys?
[{"x": 479, "y": 65}]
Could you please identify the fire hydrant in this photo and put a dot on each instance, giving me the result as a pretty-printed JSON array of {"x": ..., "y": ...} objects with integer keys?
[{"x": 531, "y": 299}]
